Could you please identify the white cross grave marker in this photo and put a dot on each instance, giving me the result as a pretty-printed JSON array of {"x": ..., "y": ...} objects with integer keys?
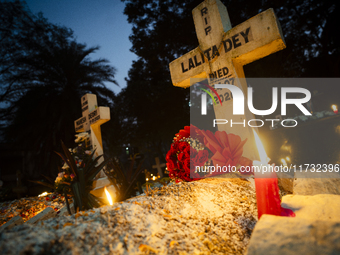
[
  {"x": 93, "y": 117},
  {"x": 221, "y": 55},
  {"x": 159, "y": 167}
]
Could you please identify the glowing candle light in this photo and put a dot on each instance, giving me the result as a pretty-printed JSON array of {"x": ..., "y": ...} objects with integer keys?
[
  {"x": 43, "y": 194},
  {"x": 266, "y": 184},
  {"x": 335, "y": 108},
  {"x": 109, "y": 198}
]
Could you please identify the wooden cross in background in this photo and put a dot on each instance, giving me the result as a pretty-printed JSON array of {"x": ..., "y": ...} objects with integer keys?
[{"x": 159, "y": 167}]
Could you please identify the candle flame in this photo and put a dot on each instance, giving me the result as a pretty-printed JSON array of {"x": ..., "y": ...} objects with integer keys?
[
  {"x": 108, "y": 196},
  {"x": 43, "y": 194},
  {"x": 334, "y": 107},
  {"x": 263, "y": 156}
]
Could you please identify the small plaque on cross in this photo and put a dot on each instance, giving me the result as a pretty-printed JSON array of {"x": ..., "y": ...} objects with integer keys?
[{"x": 221, "y": 55}]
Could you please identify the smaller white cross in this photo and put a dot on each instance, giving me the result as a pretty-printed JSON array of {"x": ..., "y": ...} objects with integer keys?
[
  {"x": 93, "y": 117},
  {"x": 159, "y": 167}
]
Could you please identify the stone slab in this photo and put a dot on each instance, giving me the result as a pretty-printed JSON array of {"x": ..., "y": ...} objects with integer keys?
[
  {"x": 275, "y": 235},
  {"x": 314, "y": 230},
  {"x": 322, "y": 206},
  {"x": 313, "y": 183},
  {"x": 63, "y": 211},
  {"x": 44, "y": 215},
  {"x": 15, "y": 221}
]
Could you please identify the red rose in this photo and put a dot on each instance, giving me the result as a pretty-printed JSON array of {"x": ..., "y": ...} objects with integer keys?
[
  {"x": 195, "y": 133},
  {"x": 174, "y": 146},
  {"x": 201, "y": 157},
  {"x": 171, "y": 174},
  {"x": 172, "y": 153},
  {"x": 169, "y": 155},
  {"x": 191, "y": 152},
  {"x": 181, "y": 175},
  {"x": 182, "y": 156},
  {"x": 170, "y": 165},
  {"x": 186, "y": 165},
  {"x": 183, "y": 145},
  {"x": 183, "y": 133},
  {"x": 179, "y": 165}
]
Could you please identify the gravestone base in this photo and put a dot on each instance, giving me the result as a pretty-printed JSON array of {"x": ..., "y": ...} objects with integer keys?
[
  {"x": 314, "y": 230},
  {"x": 312, "y": 183},
  {"x": 316, "y": 227},
  {"x": 285, "y": 182}
]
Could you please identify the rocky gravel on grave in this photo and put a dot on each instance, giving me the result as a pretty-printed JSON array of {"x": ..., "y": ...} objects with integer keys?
[
  {"x": 28, "y": 207},
  {"x": 203, "y": 217}
]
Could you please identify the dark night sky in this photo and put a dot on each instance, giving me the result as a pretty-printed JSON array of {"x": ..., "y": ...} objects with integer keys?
[{"x": 95, "y": 23}]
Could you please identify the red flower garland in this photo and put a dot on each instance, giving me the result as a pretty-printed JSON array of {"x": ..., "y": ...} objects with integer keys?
[{"x": 182, "y": 157}]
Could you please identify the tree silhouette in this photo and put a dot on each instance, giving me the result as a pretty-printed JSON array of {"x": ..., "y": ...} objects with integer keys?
[
  {"x": 164, "y": 30},
  {"x": 154, "y": 109},
  {"x": 42, "y": 87}
]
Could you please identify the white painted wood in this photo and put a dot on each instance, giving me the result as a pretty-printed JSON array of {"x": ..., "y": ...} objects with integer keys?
[
  {"x": 159, "y": 167},
  {"x": 222, "y": 53},
  {"x": 44, "y": 215},
  {"x": 92, "y": 118},
  {"x": 15, "y": 221},
  {"x": 63, "y": 211}
]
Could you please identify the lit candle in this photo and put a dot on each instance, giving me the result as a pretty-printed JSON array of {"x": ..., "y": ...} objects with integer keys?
[
  {"x": 109, "y": 198},
  {"x": 43, "y": 194},
  {"x": 335, "y": 109},
  {"x": 266, "y": 184}
]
